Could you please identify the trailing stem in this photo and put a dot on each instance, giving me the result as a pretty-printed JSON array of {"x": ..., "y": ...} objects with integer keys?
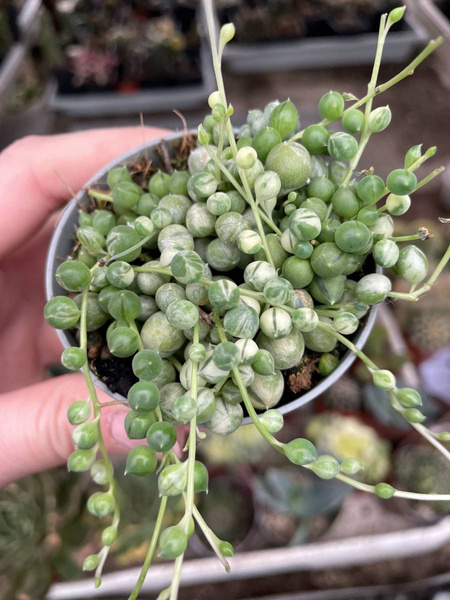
[
  {"x": 96, "y": 409},
  {"x": 396, "y": 405},
  {"x": 366, "y": 133},
  {"x": 189, "y": 497},
  {"x": 151, "y": 550},
  {"x": 406, "y": 72},
  {"x": 280, "y": 447},
  {"x": 247, "y": 193}
]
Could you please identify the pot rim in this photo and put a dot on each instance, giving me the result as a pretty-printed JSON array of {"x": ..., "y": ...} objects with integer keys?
[{"x": 51, "y": 285}]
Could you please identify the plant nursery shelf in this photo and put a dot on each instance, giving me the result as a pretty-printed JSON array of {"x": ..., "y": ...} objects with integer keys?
[
  {"x": 342, "y": 553},
  {"x": 332, "y": 51}
]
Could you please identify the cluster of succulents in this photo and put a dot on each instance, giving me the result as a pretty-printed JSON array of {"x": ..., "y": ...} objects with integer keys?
[
  {"x": 128, "y": 44},
  {"x": 261, "y": 21},
  {"x": 215, "y": 279}
]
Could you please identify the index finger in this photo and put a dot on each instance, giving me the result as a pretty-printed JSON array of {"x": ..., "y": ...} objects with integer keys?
[{"x": 30, "y": 185}]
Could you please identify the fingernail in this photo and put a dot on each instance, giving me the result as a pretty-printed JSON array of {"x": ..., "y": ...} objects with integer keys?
[{"x": 117, "y": 430}]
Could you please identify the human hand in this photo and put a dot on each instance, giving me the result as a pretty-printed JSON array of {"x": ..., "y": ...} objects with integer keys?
[{"x": 34, "y": 431}]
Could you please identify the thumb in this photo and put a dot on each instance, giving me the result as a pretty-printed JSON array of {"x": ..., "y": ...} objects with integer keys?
[{"x": 35, "y": 433}]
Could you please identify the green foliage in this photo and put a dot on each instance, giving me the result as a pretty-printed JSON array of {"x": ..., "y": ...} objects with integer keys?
[{"x": 292, "y": 224}]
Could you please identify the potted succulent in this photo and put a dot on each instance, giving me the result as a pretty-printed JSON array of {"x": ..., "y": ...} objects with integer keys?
[
  {"x": 151, "y": 52},
  {"x": 294, "y": 507},
  {"x": 199, "y": 289}
]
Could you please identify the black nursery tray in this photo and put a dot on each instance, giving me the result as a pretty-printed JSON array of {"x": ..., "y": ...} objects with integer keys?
[
  {"x": 323, "y": 50},
  {"x": 153, "y": 97}
]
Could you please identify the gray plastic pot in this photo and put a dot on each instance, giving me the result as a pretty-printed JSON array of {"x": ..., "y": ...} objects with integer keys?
[{"x": 61, "y": 246}]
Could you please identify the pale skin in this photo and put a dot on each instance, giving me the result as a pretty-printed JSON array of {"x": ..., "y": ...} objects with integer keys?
[{"x": 37, "y": 175}]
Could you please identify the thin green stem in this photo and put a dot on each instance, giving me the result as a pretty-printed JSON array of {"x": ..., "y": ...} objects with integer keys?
[
  {"x": 424, "y": 431},
  {"x": 98, "y": 195},
  {"x": 214, "y": 51},
  {"x": 425, "y": 156},
  {"x": 151, "y": 550},
  {"x": 207, "y": 282},
  {"x": 403, "y": 296},
  {"x": 190, "y": 475},
  {"x": 396, "y": 405},
  {"x": 428, "y": 435},
  {"x": 96, "y": 409},
  {"x": 398, "y": 493},
  {"x": 176, "y": 363},
  {"x": 350, "y": 345},
  {"x": 221, "y": 88},
  {"x": 429, "y": 177},
  {"x": 253, "y": 414},
  {"x": 220, "y": 146},
  {"x": 249, "y": 197},
  {"x": 247, "y": 402},
  {"x": 132, "y": 249},
  {"x": 438, "y": 270},
  {"x": 406, "y": 72},
  {"x": 225, "y": 171},
  {"x": 406, "y": 238},
  {"x": 211, "y": 537},
  {"x": 280, "y": 447},
  {"x": 241, "y": 190},
  {"x": 366, "y": 133}
]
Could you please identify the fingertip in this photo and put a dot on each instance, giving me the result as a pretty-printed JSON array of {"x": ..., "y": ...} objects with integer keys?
[{"x": 113, "y": 430}]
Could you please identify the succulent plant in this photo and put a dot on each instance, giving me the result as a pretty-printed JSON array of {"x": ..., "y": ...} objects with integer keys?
[
  {"x": 117, "y": 44},
  {"x": 347, "y": 437},
  {"x": 42, "y": 523},
  {"x": 295, "y": 287},
  {"x": 345, "y": 394},
  {"x": 290, "y": 501},
  {"x": 427, "y": 326},
  {"x": 422, "y": 469}
]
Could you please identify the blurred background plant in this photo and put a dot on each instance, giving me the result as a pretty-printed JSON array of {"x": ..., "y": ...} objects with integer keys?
[
  {"x": 271, "y": 20},
  {"x": 347, "y": 437},
  {"x": 126, "y": 45},
  {"x": 419, "y": 468},
  {"x": 42, "y": 525},
  {"x": 294, "y": 507}
]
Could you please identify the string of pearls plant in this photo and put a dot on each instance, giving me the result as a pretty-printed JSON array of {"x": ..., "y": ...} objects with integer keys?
[{"x": 293, "y": 224}]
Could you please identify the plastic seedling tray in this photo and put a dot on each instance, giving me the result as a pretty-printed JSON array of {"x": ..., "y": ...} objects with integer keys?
[
  {"x": 355, "y": 551},
  {"x": 94, "y": 104},
  {"x": 28, "y": 22},
  {"x": 326, "y": 51}
]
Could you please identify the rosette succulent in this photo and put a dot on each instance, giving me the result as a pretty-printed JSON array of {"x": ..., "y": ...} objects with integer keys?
[{"x": 213, "y": 280}]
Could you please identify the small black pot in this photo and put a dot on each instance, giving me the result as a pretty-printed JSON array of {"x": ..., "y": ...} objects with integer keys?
[{"x": 61, "y": 245}]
